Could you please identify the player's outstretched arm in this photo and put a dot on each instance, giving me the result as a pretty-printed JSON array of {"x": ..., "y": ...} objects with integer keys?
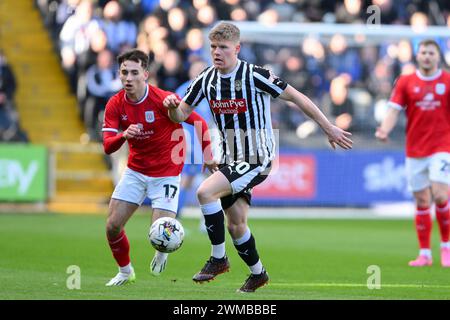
[
  {"x": 388, "y": 123},
  {"x": 335, "y": 134},
  {"x": 179, "y": 111}
]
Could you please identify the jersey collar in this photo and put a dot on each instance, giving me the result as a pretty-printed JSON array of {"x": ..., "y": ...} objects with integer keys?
[
  {"x": 434, "y": 76},
  {"x": 232, "y": 72},
  {"x": 141, "y": 100}
]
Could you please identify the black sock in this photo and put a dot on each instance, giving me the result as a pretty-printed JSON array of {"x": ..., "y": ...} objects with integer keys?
[
  {"x": 247, "y": 251},
  {"x": 215, "y": 225}
]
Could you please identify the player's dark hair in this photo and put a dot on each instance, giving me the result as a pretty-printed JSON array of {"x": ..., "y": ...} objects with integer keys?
[
  {"x": 136, "y": 56},
  {"x": 428, "y": 42}
]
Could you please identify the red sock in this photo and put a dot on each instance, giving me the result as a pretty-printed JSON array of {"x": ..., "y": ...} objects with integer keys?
[
  {"x": 443, "y": 218},
  {"x": 423, "y": 227},
  {"x": 120, "y": 248}
]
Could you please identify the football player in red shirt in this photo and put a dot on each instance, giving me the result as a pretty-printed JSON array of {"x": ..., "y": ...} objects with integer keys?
[
  {"x": 155, "y": 161},
  {"x": 425, "y": 98}
]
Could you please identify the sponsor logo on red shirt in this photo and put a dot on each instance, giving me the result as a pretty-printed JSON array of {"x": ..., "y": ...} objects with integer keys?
[{"x": 228, "y": 106}]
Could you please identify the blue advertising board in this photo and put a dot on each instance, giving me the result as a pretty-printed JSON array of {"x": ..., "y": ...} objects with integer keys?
[{"x": 334, "y": 178}]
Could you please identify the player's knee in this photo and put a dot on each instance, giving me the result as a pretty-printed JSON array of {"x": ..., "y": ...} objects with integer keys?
[
  {"x": 113, "y": 228},
  {"x": 236, "y": 230},
  {"x": 423, "y": 202},
  {"x": 440, "y": 198},
  {"x": 423, "y": 199},
  {"x": 204, "y": 195}
]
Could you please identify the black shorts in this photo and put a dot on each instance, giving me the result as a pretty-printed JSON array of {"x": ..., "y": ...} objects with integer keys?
[{"x": 242, "y": 177}]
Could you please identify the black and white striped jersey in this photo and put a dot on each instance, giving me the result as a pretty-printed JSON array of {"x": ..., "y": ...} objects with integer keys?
[{"x": 240, "y": 105}]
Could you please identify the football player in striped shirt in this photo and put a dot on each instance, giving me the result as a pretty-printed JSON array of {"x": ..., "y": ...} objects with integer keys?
[{"x": 239, "y": 94}]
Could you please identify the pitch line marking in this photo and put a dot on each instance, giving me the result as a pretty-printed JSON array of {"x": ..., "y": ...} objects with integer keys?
[{"x": 360, "y": 285}]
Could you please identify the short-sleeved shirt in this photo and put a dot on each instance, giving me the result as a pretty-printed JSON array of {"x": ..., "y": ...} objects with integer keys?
[
  {"x": 240, "y": 104},
  {"x": 158, "y": 150},
  {"x": 426, "y": 101}
]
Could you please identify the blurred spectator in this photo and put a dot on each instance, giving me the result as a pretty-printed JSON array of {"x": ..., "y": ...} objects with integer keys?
[
  {"x": 177, "y": 21},
  {"x": 342, "y": 59},
  {"x": 171, "y": 72},
  {"x": 389, "y": 13},
  {"x": 284, "y": 11},
  {"x": 369, "y": 58},
  {"x": 238, "y": 14},
  {"x": 9, "y": 126},
  {"x": 7, "y": 82},
  {"x": 341, "y": 106},
  {"x": 102, "y": 82},
  {"x": 75, "y": 38},
  {"x": 77, "y": 31},
  {"x": 315, "y": 56},
  {"x": 98, "y": 44},
  {"x": 269, "y": 17},
  {"x": 65, "y": 9},
  {"x": 118, "y": 32},
  {"x": 195, "y": 46},
  {"x": 349, "y": 12},
  {"x": 207, "y": 16},
  {"x": 7, "y": 90}
]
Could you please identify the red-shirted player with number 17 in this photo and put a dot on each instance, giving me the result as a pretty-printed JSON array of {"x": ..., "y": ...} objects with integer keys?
[
  {"x": 425, "y": 97},
  {"x": 155, "y": 160}
]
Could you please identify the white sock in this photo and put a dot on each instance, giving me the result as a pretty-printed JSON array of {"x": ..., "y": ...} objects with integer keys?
[
  {"x": 257, "y": 268},
  {"x": 425, "y": 252},
  {"x": 218, "y": 251},
  {"x": 445, "y": 245},
  {"x": 127, "y": 269}
]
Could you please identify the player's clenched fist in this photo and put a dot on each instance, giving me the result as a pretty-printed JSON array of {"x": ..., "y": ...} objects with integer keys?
[
  {"x": 171, "y": 101},
  {"x": 381, "y": 135},
  {"x": 132, "y": 131}
]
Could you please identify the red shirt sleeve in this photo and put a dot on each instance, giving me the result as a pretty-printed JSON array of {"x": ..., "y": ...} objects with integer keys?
[
  {"x": 201, "y": 127},
  {"x": 112, "y": 141},
  {"x": 398, "y": 96}
]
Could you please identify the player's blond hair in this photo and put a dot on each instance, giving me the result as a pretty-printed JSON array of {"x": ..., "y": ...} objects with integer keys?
[{"x": 225, "y": 31}]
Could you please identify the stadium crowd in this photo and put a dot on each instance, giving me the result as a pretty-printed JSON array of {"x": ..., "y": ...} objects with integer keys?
[
  {"x": 10, "y": 130},
  {"x": 349, "y": 83}
]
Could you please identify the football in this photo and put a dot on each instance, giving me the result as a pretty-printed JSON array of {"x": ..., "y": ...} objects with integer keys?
[{"x": 166, "y": 234}]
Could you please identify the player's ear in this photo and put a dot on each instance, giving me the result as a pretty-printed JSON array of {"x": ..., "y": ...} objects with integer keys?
[
  {"x": 238, "y": 48},
  {"x": 146, "y": 74}
]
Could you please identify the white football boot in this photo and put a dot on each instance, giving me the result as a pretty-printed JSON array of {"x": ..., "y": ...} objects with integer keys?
[
  {"x": 158, "y": 263},
  {"x": 122, "y": 278}
]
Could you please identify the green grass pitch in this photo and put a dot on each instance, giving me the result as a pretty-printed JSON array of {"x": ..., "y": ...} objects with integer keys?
[{"x": 306, "y": 259}]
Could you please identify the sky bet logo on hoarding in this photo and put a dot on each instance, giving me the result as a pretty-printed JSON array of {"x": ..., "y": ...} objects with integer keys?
[
  {"x": 13, "y": 175},
  {"x": 23, "y": 173},
  {"x": 295, "y": 179}
]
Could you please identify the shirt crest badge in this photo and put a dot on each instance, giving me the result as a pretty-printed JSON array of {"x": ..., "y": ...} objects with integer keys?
[
  {"x": 440, "y": 88},
  {"x": 238, "y": 85},
  {"x": 149, "y": 116}
]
